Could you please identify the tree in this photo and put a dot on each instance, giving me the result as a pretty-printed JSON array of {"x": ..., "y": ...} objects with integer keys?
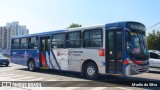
[
  {"x": 153, "y": 40},
  {"x": 74, "y": 25}
]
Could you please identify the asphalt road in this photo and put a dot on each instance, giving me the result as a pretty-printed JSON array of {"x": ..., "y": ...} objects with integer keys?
[{"x": 63, "y": 80}]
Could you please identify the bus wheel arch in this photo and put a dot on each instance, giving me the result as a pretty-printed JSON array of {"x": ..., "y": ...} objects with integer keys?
[
  {"x": 90, "y": 63},
  {"x": 31, "y": 64}
]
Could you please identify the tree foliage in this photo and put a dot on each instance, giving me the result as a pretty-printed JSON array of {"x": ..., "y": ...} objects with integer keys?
[
  {"x": 153, "y": 40},
  {"x": 74, "y": 25}
]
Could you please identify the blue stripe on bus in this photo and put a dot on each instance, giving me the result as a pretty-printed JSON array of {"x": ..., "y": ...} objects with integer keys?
[
  {"x": 56, "y": 60},
  {"x": 50, "y": 59}
]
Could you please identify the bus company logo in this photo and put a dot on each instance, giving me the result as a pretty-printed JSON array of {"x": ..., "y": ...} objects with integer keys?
[
  {"x": 75, "y": 53},
  {"x": 61, "y": 53}
]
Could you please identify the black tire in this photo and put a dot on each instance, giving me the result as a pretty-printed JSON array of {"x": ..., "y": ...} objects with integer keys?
[
  {"x": 31, "y": 65},
  {"x": 91, "y": 71}
]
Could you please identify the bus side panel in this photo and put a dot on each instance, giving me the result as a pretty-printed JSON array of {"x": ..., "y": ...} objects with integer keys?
[
  {"x": 21, "y": 57},
  {"x": 60, "y": 59},
  {"x": 93, "y": 54},
  {"x": 16, "y": 57},
  {"x": 35, "y": 55},
  {"x": 78, "y": 56}
]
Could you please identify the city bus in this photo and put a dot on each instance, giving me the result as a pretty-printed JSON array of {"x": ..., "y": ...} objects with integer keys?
[{"x": 112, "y": 49}]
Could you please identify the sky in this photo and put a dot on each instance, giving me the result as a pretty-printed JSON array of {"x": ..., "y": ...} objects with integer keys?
[{"x": 49, "y": 15}]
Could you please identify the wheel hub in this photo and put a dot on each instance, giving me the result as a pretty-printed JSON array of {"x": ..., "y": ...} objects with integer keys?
[
  {"x": 90, "y": 71},
  {"x": 31, "y": 65}
]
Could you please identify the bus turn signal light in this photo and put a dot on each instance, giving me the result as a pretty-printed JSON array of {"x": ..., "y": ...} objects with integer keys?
[{"x": 101, "y": 52}]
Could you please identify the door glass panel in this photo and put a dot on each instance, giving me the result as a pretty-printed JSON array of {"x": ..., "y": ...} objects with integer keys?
[
  {"x": 111, "y": 50},
  {"x": 48, "y": 44},
  {"x": 114, "y": 51},
  {"x": 43, "y": 44},
  {"x": 119, "y": 51}
]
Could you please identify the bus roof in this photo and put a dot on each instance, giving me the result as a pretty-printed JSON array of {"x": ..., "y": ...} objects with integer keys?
[
  {"x": 89, "y": 27},
  {"x": 123, "y": 23},
  {"x": 39, "y": 34}
]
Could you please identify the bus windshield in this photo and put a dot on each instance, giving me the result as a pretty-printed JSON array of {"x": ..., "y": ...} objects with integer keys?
[{"x": 137, "y": 47}]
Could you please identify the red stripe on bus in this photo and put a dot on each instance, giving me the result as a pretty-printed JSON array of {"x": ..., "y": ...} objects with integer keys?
[
  {"x": 43, "y": 60},
  {"x": 137, "y": 62},
  {"x": 134, "y": 61},
  {"x": 125, "y": 62}
]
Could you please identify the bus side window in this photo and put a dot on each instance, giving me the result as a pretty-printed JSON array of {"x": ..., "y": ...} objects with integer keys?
[
  {"x": 15, "y": 43},
  {"x": 32, "y": 44},
  {"x": 24, "y": 43},
  {"x": 73, "y": 40},
  {"x": 58, "y": 40},
  {"x": 92, "y": 38}
]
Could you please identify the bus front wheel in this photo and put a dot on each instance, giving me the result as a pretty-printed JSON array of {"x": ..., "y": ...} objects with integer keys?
[
  {"x": 91, "y": 71},
  {"x": 31, "y": 65}
]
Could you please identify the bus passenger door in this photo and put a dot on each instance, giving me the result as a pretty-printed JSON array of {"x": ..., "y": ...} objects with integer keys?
[
  {"x": 114, "y": 55},
  {"x": 45, "y": 51}
]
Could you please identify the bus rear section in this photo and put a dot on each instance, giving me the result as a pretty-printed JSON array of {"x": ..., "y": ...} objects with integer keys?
[{"x": 24, "y": 49}]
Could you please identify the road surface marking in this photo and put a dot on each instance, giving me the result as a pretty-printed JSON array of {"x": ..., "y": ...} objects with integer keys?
[
  {"x": 60, "y": 84},
  {"x": 123, "y": 88},
  {"x": 3, "y": 73},
  {"x": 6, "y": 75},
  {"x": 98, "y": 88},
  {"x": 24, "y": 78},
  {"x": 75, "y": 87},
  {"x": 36, "y": 79},
  {"x": 6, "y": 79},
  {"x": 17, "y": 76},
  {"x": 52, "y": 80}
]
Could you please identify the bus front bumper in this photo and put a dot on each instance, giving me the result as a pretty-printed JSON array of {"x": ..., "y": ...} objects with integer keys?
[{"x": 133, "y": 69}]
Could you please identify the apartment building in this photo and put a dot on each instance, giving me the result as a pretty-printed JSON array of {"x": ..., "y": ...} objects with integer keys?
[{"x": 11, "y": 29}]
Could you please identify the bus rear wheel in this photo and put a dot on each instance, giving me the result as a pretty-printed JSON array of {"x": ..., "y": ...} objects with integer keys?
[
  {"x": 91, "y": 71},
  {"x": 31, "y": 65}
]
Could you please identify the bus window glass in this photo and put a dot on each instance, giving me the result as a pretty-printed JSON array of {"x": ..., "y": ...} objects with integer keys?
[
  {"x": 33, "y": 43},
  {"x": 48, "y": 44},
  {"x": 43, "y": 45},
  {"x": 15, "y": 44},
  {"x": 24, "y": 43},
  {"x": 73, "y": 40},
  {"x": 92, "y": 38},
  {"x": 58, "y": 41}
]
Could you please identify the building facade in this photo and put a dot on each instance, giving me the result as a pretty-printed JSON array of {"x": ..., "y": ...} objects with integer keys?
[
  {"x": 20, "y": 29},
  {"x": 11, "y": 29},
  {"x": 5, "y": 35}
]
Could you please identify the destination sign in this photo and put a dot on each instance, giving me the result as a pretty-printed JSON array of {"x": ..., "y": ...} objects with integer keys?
[{"x": 136, "y": 26}]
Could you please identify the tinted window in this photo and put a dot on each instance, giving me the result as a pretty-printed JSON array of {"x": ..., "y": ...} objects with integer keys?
[
  {"x": 92, "y": 38},
  {"x": 45, "y": 43},
  {"x": 15, "y": 44},
  {"x": 58, "y": 41},
  {"x": 154, "y": 56},
  {"x": 73, "y": 40},
  {"x": 111, "y": 45},
  {"x": 119, "y": 45},
  {"x": 33, "y": 43},
  {"x": 43, "y": 47},
  {"x": 48, "y": 44},
  {"x": 24, "y": 43}
]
